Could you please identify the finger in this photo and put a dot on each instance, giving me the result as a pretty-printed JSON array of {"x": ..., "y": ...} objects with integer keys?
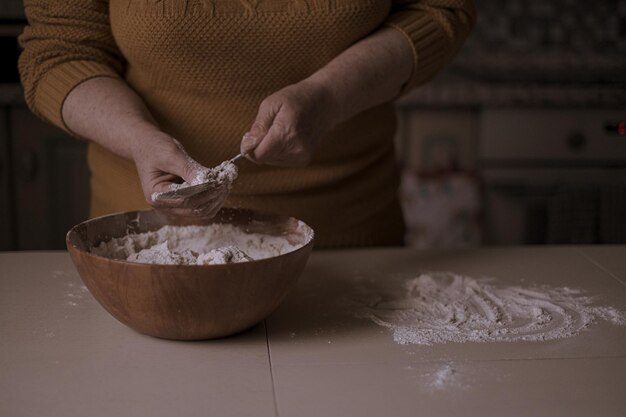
[
  {"x": 179, "y": 163},
  {"x": 205, "y": 204},
  {"x": 206, "y": 211},
  {"x": 180, "y": 199},
  {"x": 273, "y": 146},
  {"x": 167, "y": 203},
  {"x": 209, "y": 210},
  {"x": 208, "y": 198},
  {"x": 248, "y": 143},
  {"x": 264, "y": 119},
  {"x": 165, "y": 178},
  {"x": 283, "y": 148}
]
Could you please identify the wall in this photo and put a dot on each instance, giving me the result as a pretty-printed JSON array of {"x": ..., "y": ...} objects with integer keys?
[
  {"x": 528, "y": 57},
  {"x": 533, "y": 52}
]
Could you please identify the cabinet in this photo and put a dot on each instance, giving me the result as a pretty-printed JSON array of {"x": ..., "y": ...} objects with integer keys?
[
  {"x": 45, "y": 181},
  {"x": 6, "y": 215},
  {"x": 12, "y": 9},
  {"x": 555, "y": 176}
]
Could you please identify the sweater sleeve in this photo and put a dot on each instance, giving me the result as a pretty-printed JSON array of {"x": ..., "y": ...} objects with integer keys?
[
  {"x": 65, "y": 43},
  {"x": 435, "y": 30}
]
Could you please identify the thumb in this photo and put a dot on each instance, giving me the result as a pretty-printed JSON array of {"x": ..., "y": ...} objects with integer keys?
[
  {"x": 262, "y": 123},
  {"x": 184, "y": 166},
  {"x": 249, "y": 143}
]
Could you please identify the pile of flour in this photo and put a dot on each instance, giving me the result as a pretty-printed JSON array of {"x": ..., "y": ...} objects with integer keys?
[
  {"x": 446, "y": 307},
  {"x": 197, "y": 245},
  {"x": 221, "y": 177}
]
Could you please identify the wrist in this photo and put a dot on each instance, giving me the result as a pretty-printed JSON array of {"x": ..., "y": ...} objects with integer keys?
[
  {"x": 326, "y": 100},
  {"x": 147, "y": 138}
]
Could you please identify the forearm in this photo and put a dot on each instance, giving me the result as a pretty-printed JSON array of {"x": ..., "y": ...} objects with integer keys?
[
  {"x": 369, "y": 73},
  {"x": 108, "y": 112},
  {"x": 290, "y": 122}
]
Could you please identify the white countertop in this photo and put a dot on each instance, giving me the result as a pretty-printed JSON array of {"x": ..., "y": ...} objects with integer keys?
[{"x": 61, "y": 354}]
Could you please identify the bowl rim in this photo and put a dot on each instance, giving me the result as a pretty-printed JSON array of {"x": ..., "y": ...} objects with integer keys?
[{"x": 72, "y": 230}]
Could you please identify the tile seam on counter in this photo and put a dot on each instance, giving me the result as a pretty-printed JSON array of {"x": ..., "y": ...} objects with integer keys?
[
  {"x": 526, "y": 359},
  {"x": 601, "y": 267},
  {"x": 445, "y": 361},
  {"x": 269, "y": 358}
]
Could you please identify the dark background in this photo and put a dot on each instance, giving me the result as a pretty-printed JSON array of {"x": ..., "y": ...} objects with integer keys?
[{"x": 547, "y": 79}]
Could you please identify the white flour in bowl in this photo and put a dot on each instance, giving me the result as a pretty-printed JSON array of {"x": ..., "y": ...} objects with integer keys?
[
  {"x": 445, "y": 307},
  {"x": 198, "y": 245}
]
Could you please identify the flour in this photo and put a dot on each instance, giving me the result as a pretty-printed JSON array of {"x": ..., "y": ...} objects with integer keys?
[
  {"x": 446, "y": 307},
  {"x": 221, "y": 177},
  {"x": 200, "y": 245},
  {"x": 443, "y": 377}
]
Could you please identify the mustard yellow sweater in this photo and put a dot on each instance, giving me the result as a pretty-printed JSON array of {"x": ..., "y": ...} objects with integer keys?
[{"x": 203, "y": 67}]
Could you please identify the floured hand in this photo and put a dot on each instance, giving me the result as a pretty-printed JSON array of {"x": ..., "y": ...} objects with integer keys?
[{"x": 161, "y": 169}]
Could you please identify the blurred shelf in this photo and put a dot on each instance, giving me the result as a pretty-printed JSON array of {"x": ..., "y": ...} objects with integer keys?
[
  {"x": 11, "y": 94},
  {"x": 450, "y": 90}
]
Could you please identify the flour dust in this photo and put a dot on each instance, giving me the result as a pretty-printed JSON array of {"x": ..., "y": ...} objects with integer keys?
[{"x": 442, "y": 307}]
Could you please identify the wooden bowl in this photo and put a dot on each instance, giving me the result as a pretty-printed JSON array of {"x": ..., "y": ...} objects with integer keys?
[{"x": 188, "y": 302}]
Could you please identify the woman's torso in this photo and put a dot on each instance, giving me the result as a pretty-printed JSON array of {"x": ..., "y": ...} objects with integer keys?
[{"x": 204, "y": 66}]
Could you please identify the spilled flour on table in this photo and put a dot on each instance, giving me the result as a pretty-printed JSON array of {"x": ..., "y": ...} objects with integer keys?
[
  {"x": 443, "y": 376},
  {"x": 200, "y": 245},
  {"x": 75, "y": 293},
  {"x": 443, "y": 307}
]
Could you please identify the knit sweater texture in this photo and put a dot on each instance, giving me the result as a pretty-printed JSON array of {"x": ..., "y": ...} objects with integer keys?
[{"x": 203, "y": 67}]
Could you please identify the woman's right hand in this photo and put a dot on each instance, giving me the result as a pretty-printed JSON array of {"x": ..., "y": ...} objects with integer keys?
[
  {"x": 107, "y": 111},
  {"x": 164, "y": 162}
]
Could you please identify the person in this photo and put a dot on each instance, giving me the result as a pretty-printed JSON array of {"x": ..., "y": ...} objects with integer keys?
[{"x": 161, "y": 89}]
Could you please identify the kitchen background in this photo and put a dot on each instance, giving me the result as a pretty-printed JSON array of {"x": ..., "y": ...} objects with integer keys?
[{"x": 522, "y": 139}]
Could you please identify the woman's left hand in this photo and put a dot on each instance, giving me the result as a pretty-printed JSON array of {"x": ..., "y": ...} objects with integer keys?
[
  {"x": 291, "y": 122},
  {"x": 289, "y": 126}
]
